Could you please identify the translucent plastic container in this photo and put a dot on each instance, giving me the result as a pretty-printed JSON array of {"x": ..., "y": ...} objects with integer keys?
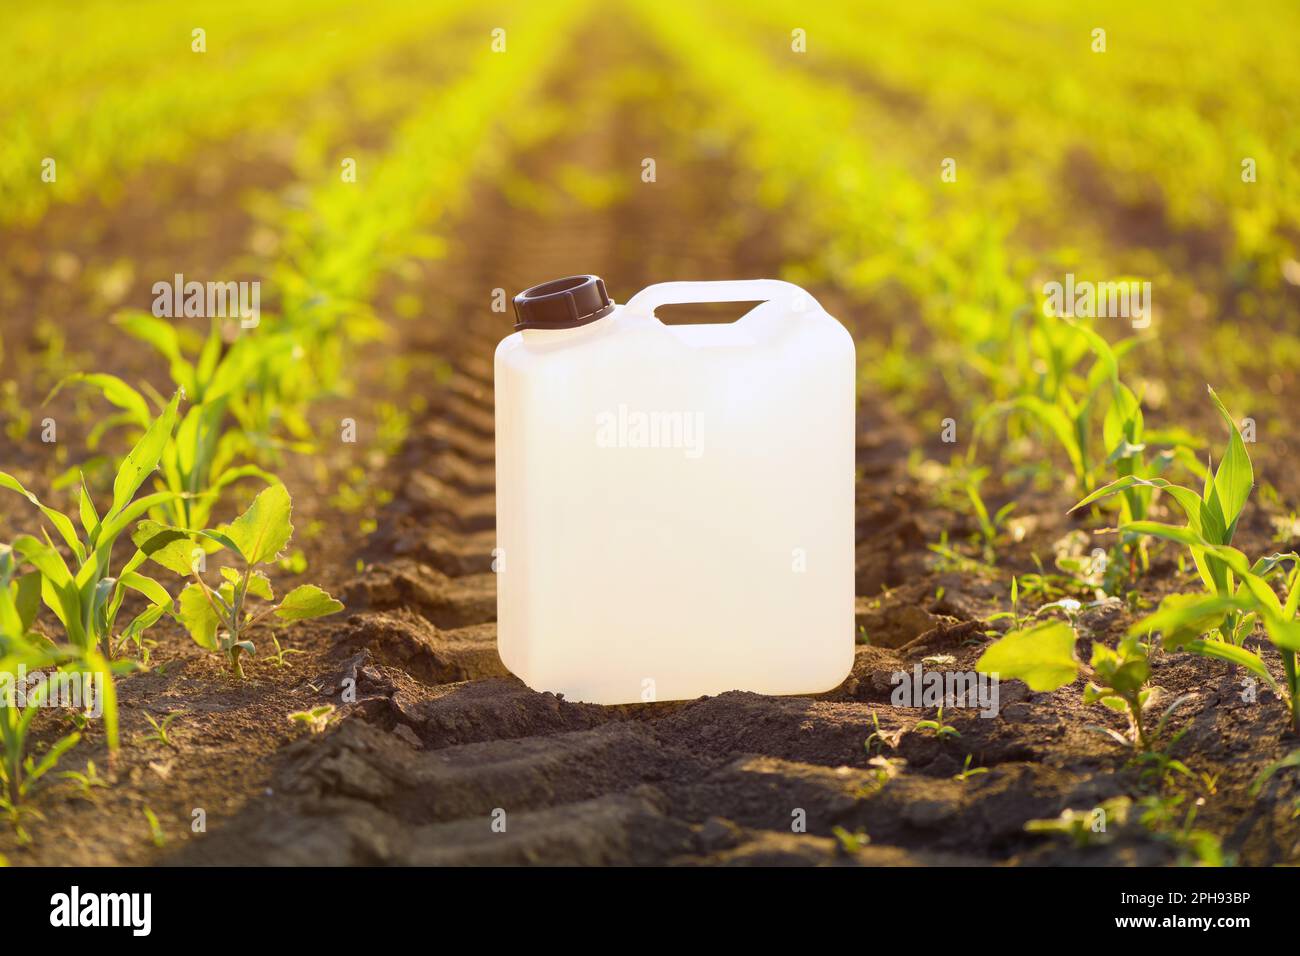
[{"x": 674, "y": 503}]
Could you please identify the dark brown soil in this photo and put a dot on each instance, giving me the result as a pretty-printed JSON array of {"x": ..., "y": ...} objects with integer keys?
[{"x": 437, "y": 755}]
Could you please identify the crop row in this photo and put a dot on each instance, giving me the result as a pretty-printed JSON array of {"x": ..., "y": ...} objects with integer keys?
[{"x": 241, "y": 399}]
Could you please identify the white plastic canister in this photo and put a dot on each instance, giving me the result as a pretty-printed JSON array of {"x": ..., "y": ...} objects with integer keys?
[{"x": 674, "y": 503}]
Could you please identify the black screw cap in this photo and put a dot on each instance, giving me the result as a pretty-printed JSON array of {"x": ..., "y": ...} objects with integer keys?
[{"x": 562, "y": 303}]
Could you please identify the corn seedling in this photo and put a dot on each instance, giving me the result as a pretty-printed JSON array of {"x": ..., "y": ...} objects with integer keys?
[
  {"x": 200, "y": 461},
  {"x": 218, "y": 618},
  {"x": 23, "y": 650},
  {"x": 937, "y": 727},
  {"x": 86, "y": 597},
  {"x": 85, "y": 781},
  {"x": 880, "y": 738},
  {"x": 280, "y": 657},
  {"x": 160, "y": 733},
  {"x": 967, "y": 771},
  {"x": 156, "y": 835},
  {"x": 1237, "y": 595}
]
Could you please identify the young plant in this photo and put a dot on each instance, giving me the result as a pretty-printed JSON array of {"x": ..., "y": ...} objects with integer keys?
[
  {"x": 160, "y": 729},
  {"x": 20, "y": 648},
  {"x": 85, "y": 781},
  {"x": 220, "y": 618},
  {"x": 199, "y": 462},
  {"x": 1211, "y": 515},
  {"x": 87, "y": 597},
  {"x": 1043, "y": 656},
  {"x": 967, "y": 771},
  {"x": 937, "y": 727},
  {"x": 1237, "y": 593}
]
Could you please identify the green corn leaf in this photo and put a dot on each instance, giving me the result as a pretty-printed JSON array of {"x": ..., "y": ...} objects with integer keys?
[
  {"x": 58, "y": 589},
  {"x": 27, "y": 599},
  {"x": 1186, "y": 617},
  {"x": 163, "y": 337},
  {"x": 145, "y": 620},
  {"x": 1284, "y": 634},
  {"x": 143, "y": 458},
  {"x": 1224, "y": 651},
  {"x": 1169, "y": 532},
  {"x": 115, "y": 392},
  {"x": 86, "y": 510},
  {"x": 100, "y": 666},
  {"x": 147, "y": 586},
  {"x": 1235, "y": 476},
  {"x": 62, "y": 523},
  {"x": 1042, "y": 656},
  {"x": 50, "y": 758},
  {"x": 262, "y": 532},
  {"x": 307, "y": 601},
  {"x": 1290, "y": 760}
]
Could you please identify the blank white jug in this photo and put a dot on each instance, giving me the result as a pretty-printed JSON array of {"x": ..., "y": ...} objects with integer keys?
[{"x": 674, "y": 502}]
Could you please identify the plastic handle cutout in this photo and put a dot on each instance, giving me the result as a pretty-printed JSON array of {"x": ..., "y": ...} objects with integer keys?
[{"x": 644, "y": 303}]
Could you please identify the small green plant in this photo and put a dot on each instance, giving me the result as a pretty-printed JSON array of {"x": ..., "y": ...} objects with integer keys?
[
  {"x": 280, "y": 657},
  {"x": 967, "y": 771},
  {"x": 1237, "y": 595},
  {"x": 219, "y": 618},
  {"x": 1085, "y": 828},
  {"x": 156, "y": 835},
  {"x": 850, "y": 842},
  {"x": 160, "y": 729},
  {"x": 937, "y": 727},
  {"x": 316, "y": 720},
  {"x": 990, "y": 526},
  {"x": 1043, "y": 656},
  {"x": 1290, "y": 760},
  {"x": 85, "y": 781},
  {"x": 879, "y": 739},
  {"x": 86, "y": 598},
  {"x": 22, "y": 650}
]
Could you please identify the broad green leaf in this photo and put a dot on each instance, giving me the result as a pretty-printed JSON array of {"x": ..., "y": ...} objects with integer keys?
[
  {"x": 308, "y": 601},
  {"x": 170, "y": 547},
  {"x": 262, "y": 532},
  {"x": 198, "y": 615},
  {"x": 259, "y": 585},
  {"x": 1042, "y": 656}
]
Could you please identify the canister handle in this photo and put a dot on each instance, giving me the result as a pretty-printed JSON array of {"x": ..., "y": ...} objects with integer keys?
[{"x": 644, "y": 303}]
